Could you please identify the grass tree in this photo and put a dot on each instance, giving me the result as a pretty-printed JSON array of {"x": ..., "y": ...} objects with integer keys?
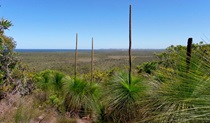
[
  {"x": 181, "y": 96},
  {"x": 51, "y": 82},
  {"x": 81, "y": 97},
  {"x": 122, "y": 98},
  {"x": 124, "y": 92}
]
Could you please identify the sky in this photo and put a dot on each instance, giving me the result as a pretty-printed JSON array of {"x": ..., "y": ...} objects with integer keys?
[{"x": 156, "y": 24}]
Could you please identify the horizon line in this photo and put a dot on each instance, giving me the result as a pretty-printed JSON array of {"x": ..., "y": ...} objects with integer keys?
[{"x": 87, "y": 49}]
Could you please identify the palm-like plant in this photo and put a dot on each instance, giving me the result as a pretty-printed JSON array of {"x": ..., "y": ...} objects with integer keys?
[
  {"x": 81, "y": 97},
  {"x": 4, "y": 24},
  {"x": 122, "y": 98},
  {"x": 58, "y": 81},
  {"x": 43, "y": 79},
  {"x": 182, "y": 96},
  {"x": 51, "y": 84},
  {"x": 51, "y": 81},
  {"x": 124, "y": 92}
]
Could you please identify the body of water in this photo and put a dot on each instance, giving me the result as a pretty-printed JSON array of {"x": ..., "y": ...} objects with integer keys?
[
  {"x": 80, "y": 50},
  {"x": 50, "y": 50}
]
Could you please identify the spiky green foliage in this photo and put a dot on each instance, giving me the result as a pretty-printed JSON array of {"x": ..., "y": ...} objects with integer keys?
[
  {"x": 5, "y": 24},
  {"x": 181, "y": 96},
  {"x": 81, "y": 97},
  {"x": 6, "y": 43},
  {"x": 50, "y": 80},
  {"x": 121, "y": 98},
  {"x": 147, "y": 67},
  {"x": 49, "y": 85}
]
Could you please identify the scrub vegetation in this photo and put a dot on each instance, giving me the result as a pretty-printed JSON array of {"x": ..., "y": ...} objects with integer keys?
[{"x": 166, "y": 86}]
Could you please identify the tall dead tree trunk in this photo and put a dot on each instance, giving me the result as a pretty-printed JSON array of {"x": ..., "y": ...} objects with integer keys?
[
  {"x": 130, "y": 43},
  {"x": 189, "y": 52}
]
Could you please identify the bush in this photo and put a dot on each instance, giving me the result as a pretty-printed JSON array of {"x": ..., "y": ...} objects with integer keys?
[
  {"x": 181, "y": 95},
  {"x": 121, "y": 99},
  {"x": 147, "y": 67},
  {"x": 81, "y": 98},
  {"x": 12, "y": 73}
]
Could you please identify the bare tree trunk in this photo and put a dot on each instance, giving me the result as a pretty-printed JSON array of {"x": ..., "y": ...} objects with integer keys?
[
  {"x": 130, "y": 43},
  {"x": 76, "y": 53},
  {"x": 92, "y": 58},
  {"x": 189, "y": 52}
]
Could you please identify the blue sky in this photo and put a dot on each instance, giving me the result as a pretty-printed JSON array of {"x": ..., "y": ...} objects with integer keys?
[{"x": 53, "y": 24}]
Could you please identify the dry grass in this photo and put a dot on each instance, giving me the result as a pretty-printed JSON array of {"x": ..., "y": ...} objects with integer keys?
[{"x": 17, "y": 109}]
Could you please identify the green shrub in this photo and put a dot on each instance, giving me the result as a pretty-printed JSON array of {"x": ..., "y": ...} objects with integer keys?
[
  {"x": 181, "y": 95},
  {"x": 81, "y": 97},
  {"x": 121, "y": 99},
  {"x": 50, "y": 81},
  {"x": 49, "y": 91},
  {"x": 147, "y": 67}
]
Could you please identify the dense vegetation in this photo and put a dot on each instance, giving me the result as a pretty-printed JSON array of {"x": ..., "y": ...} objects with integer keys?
[
  {"x": 168, "y": 89},
  {"x": 12, "y": 73}
]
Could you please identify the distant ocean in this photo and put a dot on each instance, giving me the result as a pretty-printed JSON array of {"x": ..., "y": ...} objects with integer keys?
[
  {"x": 79, "y": 50},
  {"x": 51, "y": 50}
]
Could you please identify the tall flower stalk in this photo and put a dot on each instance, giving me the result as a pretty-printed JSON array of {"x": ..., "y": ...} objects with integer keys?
[
  {"x": 92, "y": 58},
  {"x": 76, "y": 53},
  {"x": 130, "y": 43}
]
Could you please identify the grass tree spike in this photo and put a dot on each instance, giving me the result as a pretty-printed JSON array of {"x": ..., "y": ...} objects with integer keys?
[
  {"x": 189, "y": 52},
  {"x": 92, "y": 58},
  {"x": 130, "y": 43},
  {"x": 76, "y": 53}
]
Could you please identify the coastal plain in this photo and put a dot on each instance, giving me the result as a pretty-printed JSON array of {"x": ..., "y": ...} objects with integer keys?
[{"x": 103, "y": 60}]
